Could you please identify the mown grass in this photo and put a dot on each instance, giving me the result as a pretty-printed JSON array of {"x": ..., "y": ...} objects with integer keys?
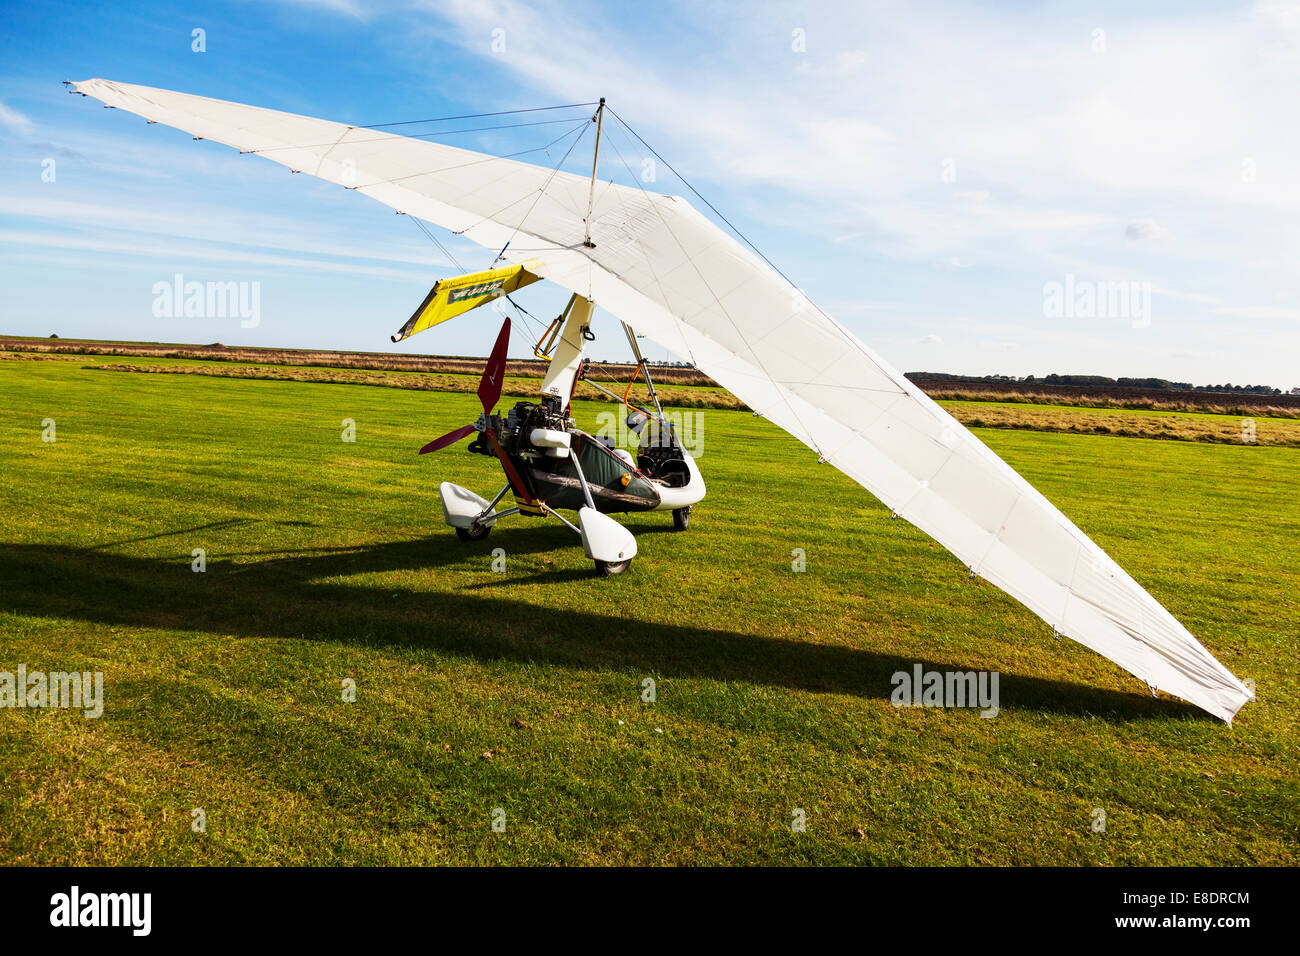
[
  {"x": 323, "y": 358},
  {"x": 1233, "y": 429},
  {"x": 1155, "y": 400},
  {"x": 1131, "y": 422},
  {"x": 335, "y": 366},
  {"x": 523, "y": 690},
  {"x": 514, "y": 386}
]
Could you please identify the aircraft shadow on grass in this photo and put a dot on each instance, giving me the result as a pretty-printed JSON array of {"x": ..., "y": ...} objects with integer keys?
[{"x": 294, "y": 594}]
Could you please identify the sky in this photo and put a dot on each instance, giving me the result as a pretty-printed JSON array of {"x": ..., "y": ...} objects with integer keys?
[{"x": 955, "y": 183}]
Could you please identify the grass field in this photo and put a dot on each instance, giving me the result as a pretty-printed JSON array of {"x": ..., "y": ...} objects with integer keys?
[
  {"x": 1274, "y": 426},
  {"x": 1127, "y": 422},
  {"x": 522, "y": 690}
]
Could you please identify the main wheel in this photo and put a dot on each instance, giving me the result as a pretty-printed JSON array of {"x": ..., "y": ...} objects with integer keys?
[
  {"x": 682, "y": 518},
  {"x": 476, "y": 533},
  {"x": 608, "y": 568}
]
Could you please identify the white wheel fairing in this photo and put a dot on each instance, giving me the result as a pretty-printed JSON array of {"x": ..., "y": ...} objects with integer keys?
[
  {"x": 670, "y": 499},
  {"x": 460, "y": 506},
  {"x": 604, "y": 539}
]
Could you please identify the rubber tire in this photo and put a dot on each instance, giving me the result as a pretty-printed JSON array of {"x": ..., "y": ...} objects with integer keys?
[
  {"x": 465, "y": 534},
  {"x": 681, "y": 518},
  {"x": 609, "y": 568}
]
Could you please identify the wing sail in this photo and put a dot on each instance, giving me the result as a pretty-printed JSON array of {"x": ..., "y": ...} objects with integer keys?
[{"x": 672, "y": 275}]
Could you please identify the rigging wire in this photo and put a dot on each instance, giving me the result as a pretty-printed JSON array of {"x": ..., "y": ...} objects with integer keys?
[
  {"x": 716, "y": 298},
  {"x": 699, "y": 196},
  {"x": 527, "y": 317},
  {"x": 900, "y": 390},
  {"x": 445, "y": 119},
  {"x": 536, "y": 149},
  {"x": 533, "y": 323},
  {"x": 478, "y": 162},
  {"x": 649, "y": 265},
  {"x": 844, "y": 333},
  {"x": 434, "y": 239},
  {"x": 540, "y": 192},
  {"x": 380, "y": 139}
]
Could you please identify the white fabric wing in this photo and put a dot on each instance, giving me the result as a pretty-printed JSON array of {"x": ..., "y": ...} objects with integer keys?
[{"x": 671, "y": 274}]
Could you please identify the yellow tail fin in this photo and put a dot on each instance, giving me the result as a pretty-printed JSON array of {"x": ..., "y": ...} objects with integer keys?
[{"x": 452, "y": 297}]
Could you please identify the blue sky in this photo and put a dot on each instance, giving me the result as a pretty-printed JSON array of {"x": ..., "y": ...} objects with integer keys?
[{"x": 923, "y": 171}]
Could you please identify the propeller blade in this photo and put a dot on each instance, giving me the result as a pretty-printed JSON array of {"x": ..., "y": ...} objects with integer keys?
[
  {"x": 448, "y": 439},
  {"x": 489, "y": 387}
]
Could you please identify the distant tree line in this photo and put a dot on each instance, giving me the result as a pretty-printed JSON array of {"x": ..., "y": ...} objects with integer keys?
[{"x": 1099, "y": 381}]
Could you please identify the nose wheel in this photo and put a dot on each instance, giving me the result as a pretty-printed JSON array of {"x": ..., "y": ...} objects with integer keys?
[
  {"x": 609, "y": 568},
  {"x": 476, "y": 533},
  {"x": 681, "y": 518}
]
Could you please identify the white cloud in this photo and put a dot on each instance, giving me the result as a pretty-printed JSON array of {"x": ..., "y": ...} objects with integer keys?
[
  {"x": 347, "y": 8},
  {"x": 13, "y": 120},
  {"x": 120, "y": 224},
  {"x": 1187, "y": 296},
  {"x": 148, "y": 256},
  {"x": 1259, "y": 312},
  {"x": 845, "y": 63},
  {"x": 1045, "y": 114},
  {"x": 1140, "y": 229}
]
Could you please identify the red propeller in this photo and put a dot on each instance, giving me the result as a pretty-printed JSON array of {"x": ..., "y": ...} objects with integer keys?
[{"x": 489, "y": 389}]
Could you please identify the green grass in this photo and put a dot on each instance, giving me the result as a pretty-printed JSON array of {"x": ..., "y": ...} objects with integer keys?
[
  {"x": 1222, "y": 428},
  {"x": 329, "y": 560}
]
